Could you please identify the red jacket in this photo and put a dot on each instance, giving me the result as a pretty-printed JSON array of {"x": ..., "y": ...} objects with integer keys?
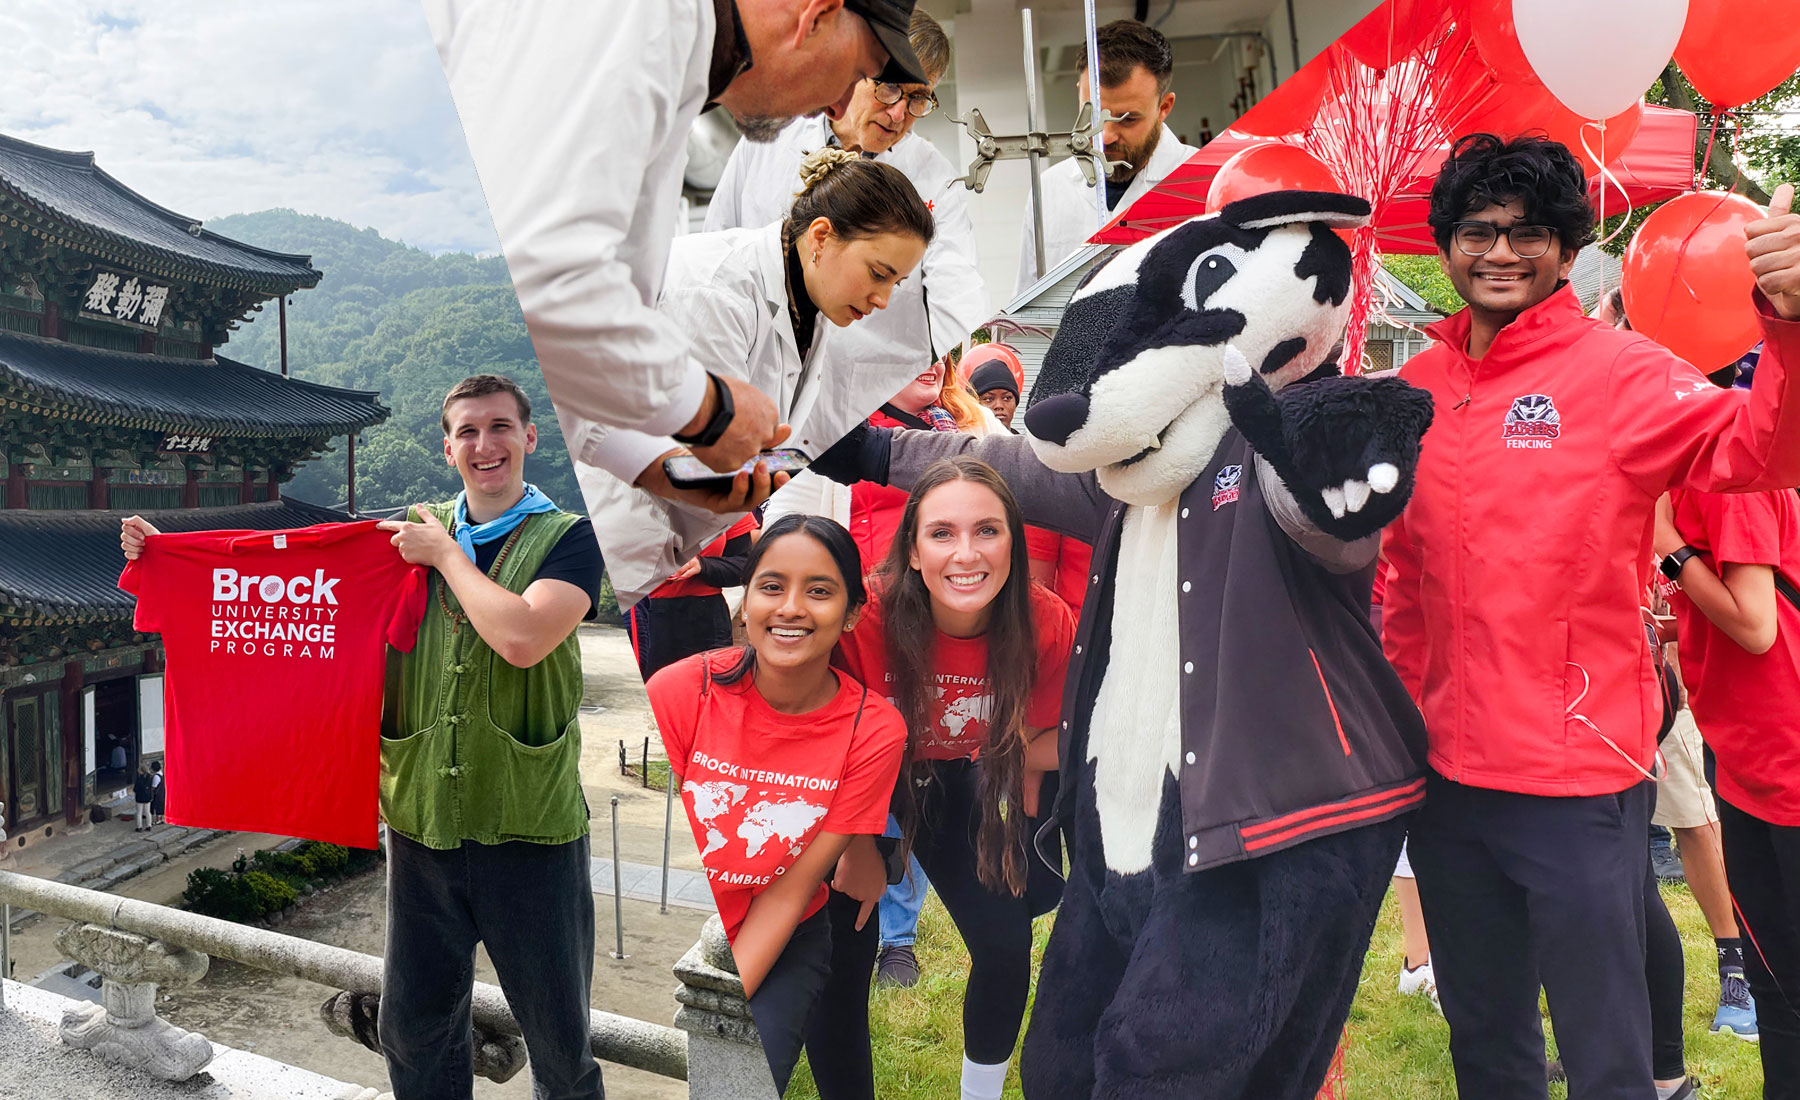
[{"x": 1515, "y": 574}]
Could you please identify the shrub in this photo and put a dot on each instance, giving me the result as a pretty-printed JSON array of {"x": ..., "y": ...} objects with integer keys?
[
  {"x": 298, "y": 864},
  {"x": 221, "y": 894},
  {"x": 330, "y": 859},
  {"x": 271, "y": 893}
]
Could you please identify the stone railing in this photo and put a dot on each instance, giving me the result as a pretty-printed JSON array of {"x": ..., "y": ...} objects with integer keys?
[{"x": 136, "y": 946}]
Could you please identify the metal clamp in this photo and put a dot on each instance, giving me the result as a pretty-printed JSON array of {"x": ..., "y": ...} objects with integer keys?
[{"x": 1078, "y": 142}]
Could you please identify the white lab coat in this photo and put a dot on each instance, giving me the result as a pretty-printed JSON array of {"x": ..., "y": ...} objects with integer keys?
[
  {"x": 1069, "y": 214},
  {"x": 577, "y": 116},
  {"x": 728, "y": 291},
  {"x": 758, "y": 187}
]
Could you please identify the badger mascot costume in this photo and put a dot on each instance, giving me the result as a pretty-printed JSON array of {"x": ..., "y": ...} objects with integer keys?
[{"x": 1237, "y": 756}]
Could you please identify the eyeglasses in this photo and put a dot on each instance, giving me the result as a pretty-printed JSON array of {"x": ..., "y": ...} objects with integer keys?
[
  {"x": 1527, "y": 242},
  {"x": 918, "y": 104}
]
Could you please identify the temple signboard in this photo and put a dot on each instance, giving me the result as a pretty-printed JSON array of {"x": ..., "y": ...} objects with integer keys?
[
  {"x": 186, "y": 444},
  {"x": 125, "y": 298}
]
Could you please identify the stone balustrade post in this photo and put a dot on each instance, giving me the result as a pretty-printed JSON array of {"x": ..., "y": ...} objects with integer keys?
[
  {"x": 124, "y": 1028},
  {"x": 725, "y": 1054}
]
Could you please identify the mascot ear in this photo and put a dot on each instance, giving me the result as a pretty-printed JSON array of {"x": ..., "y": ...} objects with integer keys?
[{"x": 1327, "y": 208}]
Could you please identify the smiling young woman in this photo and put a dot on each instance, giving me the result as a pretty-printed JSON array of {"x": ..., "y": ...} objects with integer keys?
[
  {"x": 974, "y": 655},
  {"x": 782, "y": 761}
]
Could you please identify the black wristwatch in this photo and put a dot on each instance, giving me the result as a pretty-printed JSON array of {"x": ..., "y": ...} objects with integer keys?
[
  {"x": 713, "y": 430},
  {"x": 1671, "y": 564}
]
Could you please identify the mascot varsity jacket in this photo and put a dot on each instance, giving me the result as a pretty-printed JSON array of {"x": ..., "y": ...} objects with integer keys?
[{"x": 1293, "y": 724}]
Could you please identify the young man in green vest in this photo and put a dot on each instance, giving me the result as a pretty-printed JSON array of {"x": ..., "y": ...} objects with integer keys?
[{"x": 480, "y": 767}]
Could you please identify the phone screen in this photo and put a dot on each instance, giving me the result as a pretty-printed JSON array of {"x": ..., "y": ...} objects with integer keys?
[{"x": 688, "y": 472}]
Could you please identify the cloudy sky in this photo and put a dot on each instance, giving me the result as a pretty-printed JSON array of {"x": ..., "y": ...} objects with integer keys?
[{"x": 213, "y": 107}]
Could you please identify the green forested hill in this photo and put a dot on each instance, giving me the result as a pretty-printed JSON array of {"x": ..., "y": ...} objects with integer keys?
[{"x": 394, "y": 319}]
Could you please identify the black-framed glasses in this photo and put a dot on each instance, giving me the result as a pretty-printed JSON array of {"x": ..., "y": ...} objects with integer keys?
[
  {"x": 918, "y": 104},
  {"x": 1527, "y": 242}
]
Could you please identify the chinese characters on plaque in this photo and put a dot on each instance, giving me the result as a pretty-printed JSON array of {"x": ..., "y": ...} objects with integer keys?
[
  {"x": 126, "y": 299},
  {"x": 190, "y": 443}
]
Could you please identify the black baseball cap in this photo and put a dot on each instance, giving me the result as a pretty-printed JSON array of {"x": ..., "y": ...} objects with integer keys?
[{"x": 890, "y": 20}]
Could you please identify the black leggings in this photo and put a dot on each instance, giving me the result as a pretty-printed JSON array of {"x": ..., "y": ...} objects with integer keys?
[
  {"x": 789, "y": 995},
  {"x": 995, "y": 927},
  {"x": 1665, "y": 973},
  {"x": 1762, "y": 863}
]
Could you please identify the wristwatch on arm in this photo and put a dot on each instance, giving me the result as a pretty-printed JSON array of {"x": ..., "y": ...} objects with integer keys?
[
  {"x": 714, "y": 429},
  {"x": 1672, "y": 563}
]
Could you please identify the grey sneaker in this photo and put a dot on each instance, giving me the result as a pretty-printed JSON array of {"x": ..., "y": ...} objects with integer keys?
[
  {"x": 1665, "y": 864},
  {"x": 897, "y": 966},
  {"x": 1687, "y": 1090}
]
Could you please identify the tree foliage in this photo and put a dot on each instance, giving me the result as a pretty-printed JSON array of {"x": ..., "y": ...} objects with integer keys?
[
  {"x": 1426, "y": 278},
  {"x": 408, "y": 325}
]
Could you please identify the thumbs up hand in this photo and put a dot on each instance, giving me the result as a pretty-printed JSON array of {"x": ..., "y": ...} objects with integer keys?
[{"x": 1774, "y": 250}]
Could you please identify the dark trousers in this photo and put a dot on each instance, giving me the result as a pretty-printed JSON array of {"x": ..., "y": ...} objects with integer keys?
[
  {"x": 532, "y": 907},
  {"x": 1665, "y": 973},
  {"x": 785, "y": 1000},
  {"x": 994, "y": 925},
  {"x": 1521, "y": 889},
  {"x": 667, "y": 629},
  {"x": 1230, "y": 984},
  {"x": 1762, "y": 862}
]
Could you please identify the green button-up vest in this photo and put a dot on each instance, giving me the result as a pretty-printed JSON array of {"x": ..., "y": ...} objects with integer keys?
[{"x": 473, "y": 748}]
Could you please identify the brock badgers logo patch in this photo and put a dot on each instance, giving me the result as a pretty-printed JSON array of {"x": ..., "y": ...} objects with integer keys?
[
  {"x": 1532, "y": 423},
  {"x": 1225, "y": 486}
]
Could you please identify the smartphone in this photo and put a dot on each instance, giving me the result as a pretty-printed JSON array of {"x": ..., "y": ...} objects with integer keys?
[{"x": 688, "y": 472}]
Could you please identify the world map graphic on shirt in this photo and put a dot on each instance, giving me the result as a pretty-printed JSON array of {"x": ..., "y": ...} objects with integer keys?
[
  {"x": 965, "y": 716},
  {"x": 786, "y": 821},
  {"x": 710, "y": 802}
]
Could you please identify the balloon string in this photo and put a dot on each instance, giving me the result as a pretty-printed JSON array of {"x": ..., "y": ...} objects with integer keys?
[
  {"x": 1706, "y": 160},
  {"x": 1606, "y": 177}
]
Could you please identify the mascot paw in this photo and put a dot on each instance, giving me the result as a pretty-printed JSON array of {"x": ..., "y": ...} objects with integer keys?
[
  {"x": 1237, "y": 368},
  {"x": 1346, "y": 448}
]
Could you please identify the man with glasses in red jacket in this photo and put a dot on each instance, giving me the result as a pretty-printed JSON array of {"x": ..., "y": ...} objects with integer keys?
[{"x": 1511, "y": 612}]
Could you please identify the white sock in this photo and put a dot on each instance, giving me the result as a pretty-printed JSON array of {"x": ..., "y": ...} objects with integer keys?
[{"x": 981, "y": 1082}]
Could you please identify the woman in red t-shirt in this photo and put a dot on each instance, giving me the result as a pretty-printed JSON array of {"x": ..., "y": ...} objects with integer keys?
[
  {"x": 974, "y": 655},
  {"x": 782, "y": 760},
  {"x": 1733, "y": 554}
]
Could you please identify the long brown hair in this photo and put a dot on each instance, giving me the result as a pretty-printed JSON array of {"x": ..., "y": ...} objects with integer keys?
[{"x": 909, "y": 633}]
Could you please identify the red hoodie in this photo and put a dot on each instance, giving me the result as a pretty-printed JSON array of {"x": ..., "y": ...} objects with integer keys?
[{"x": 1515, "y": 574}]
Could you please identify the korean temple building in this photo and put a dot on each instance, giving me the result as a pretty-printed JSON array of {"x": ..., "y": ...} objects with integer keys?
[{"x": 113, "y": 400}]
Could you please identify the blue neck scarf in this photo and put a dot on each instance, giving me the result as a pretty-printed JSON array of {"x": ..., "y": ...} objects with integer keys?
[{"x": 470, "y": 535}]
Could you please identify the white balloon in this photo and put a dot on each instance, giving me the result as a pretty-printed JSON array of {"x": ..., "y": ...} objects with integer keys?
[{"x": 1599, "y": 56}]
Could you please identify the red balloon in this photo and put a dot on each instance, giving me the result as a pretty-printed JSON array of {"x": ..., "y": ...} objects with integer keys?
[
  {"x": 1294, "y": 103},
  {"x": 1514, "y": 109},
  {"x": 1461, "y": 81},
  {"x": 1687, "y": 279},
  {"x": 1393, "y": 32},
  {"x": 1270, "y": 166},
  {"x": 1733, "y": 51},
  {"x": 1491, "y": 24}
]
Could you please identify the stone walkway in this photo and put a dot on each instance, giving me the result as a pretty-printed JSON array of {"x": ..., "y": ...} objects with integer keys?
[{"x": 643, "y": 882}]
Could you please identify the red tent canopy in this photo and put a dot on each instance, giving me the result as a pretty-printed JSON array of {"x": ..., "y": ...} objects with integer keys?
[{"x": 1658, "y": 165}]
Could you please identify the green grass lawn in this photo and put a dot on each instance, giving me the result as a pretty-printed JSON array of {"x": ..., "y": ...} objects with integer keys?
[{"x": 1397, "y": 1047}]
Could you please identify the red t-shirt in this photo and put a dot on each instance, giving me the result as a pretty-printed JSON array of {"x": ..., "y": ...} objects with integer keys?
[
  {"x": 760, "y": 785},
  {"x": 1746, "y": 705},
  {"x": 961, "y": 667},
  {"x": 694, "y": 586},
  {"x": 276, "y": 644}
]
